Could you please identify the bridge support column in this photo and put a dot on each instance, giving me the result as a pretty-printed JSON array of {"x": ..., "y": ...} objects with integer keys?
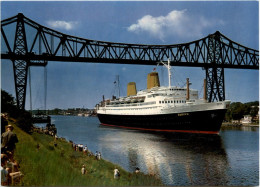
[
  {"x": 20, "y": 67},
  {"x": 215, "y": 75},
  {"x": 215, "y": 84}
]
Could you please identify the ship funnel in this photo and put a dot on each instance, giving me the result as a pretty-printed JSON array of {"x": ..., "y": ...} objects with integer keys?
[
  {"x": 131, "y": 88},
  {"x": 188, "y": 90},
  {"x": 153, "y": 80},
  {"x": 205, "y": 90}
]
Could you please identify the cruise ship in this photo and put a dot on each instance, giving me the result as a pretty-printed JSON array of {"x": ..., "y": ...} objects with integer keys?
[{"x": 160, "y": 108}]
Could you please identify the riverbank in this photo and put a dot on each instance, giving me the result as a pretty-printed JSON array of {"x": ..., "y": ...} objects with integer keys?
[
  {"x": 225, "y": 124},
  {"x": 45, "y": 161}
]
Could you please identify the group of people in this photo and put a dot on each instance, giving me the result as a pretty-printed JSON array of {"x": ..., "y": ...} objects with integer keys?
[
  {"x": 49, "y": 130},
  {"x": 9, "y": 167},
  {"x": 80, "y": 148},
  {"x": 84, "y": 149}
]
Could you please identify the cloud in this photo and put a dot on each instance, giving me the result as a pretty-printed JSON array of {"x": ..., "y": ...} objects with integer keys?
[
  {"x": 67, "y": 25},
  {"x": 177, "y": 22}
]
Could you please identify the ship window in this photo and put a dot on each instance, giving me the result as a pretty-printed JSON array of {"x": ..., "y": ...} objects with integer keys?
[
  {"x": 171, "y": 101},
  {"x": 160, "y": 102},
  {"x": 177, "y": 101}
]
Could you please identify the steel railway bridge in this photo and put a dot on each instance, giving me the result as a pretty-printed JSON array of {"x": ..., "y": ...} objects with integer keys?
[{"x": 28, "y": 43}]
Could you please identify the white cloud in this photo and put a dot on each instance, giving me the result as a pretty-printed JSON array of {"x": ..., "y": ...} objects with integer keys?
[
  {"x": 177, "y": 22},
  {"x": 67, "y": 25}
]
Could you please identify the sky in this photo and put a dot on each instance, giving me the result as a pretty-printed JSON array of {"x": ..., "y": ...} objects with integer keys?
[{"x": 77, "y": 85}]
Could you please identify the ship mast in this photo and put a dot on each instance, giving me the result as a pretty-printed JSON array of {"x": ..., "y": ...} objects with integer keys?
[
  {"x": 118, "y": 85},
  {"x": 168, "y": 66}
]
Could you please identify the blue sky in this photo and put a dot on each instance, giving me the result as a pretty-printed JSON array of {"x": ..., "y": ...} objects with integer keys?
[{"x": 73, "y": 85}]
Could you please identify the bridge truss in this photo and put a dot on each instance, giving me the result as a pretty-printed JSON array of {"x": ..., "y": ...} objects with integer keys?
[{"x": 28, "y": 43}]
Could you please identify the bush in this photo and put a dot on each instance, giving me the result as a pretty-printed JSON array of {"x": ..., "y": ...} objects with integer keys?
[{"x": 25, "y": 122}]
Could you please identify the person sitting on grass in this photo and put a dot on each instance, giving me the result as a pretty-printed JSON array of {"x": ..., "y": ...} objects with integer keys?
[
  {"x": 137, "y": 170},
  {"x": 4, "y": 171}
]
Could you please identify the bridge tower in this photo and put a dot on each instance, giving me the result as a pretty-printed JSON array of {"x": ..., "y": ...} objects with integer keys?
[
  {"x": 215, "y": 74},
  {"x": 20, "y": 66}
]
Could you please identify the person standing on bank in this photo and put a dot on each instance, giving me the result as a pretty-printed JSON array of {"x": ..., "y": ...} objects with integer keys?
[
  {"x": 8, "y": 140},
  {"x": 96, "y": 155},
  {"x": 99, "y": 156},
  {"x": 116, "y": 173},
  {"x": 83, "y": 170}
]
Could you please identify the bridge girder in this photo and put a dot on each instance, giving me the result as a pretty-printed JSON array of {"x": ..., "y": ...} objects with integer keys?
[{"x": 214, "y": 53}]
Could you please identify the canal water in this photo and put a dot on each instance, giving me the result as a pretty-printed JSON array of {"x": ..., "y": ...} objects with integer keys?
[{"x": 230, "y": 158}]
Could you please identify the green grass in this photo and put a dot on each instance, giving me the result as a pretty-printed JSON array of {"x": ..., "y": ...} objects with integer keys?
[{"x": 61, "y": 165}]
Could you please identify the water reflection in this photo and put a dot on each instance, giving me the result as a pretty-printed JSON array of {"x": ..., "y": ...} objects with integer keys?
[
  {"x": 133, "y": 158},
  {"x": 178, "y": 159}
]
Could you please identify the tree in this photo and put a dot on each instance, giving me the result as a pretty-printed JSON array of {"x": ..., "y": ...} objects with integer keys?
[
  {"x": 238, "y": 111},
  {"x": 7, "y": 102},
  {"x": 24, "y": 118},
  {"x": 254, "y": 111}
]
